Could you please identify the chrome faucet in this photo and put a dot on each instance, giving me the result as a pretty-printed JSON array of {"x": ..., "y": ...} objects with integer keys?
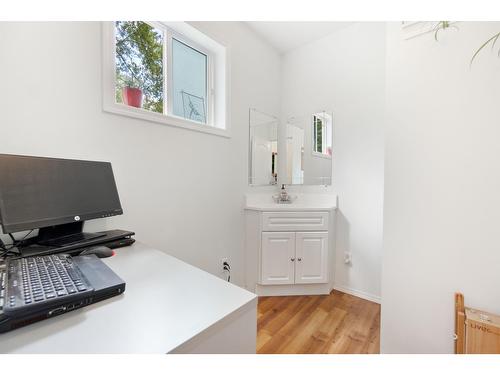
[{"x": 284, "y": 197}]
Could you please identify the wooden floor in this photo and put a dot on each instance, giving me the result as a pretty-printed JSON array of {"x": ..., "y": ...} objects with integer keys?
[{"x": 337, "y": 323}]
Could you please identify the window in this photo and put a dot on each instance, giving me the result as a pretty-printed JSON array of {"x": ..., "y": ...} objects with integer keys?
[
  {"x": 169, "y": 73},
  {"x": 318, "y": 134},
  {"x": 189, "y": 80},
  {"x": 322, "y": 134},
  {"x": 139, "y": 65}
]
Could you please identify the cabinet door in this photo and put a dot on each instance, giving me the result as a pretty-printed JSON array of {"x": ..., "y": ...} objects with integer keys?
[
  {"x": 312, "y": 257},
  {"x": 278, "y": 258}
]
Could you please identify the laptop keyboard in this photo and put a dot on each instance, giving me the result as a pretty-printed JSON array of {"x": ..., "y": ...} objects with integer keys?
[{"x": 37, "y": 280}]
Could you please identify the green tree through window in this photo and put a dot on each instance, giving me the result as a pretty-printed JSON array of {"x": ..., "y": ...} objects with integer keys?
[
  {"x": 139, "y": 62},
  {"x": 318, "y": 134}
]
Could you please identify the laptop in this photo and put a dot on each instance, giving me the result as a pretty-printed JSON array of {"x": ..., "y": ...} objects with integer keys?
[{"x": 41, "y": 287}]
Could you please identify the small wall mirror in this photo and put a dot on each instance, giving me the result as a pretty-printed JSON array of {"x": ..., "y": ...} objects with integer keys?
[
  {"x": 309, "y": 149},
  {"x": 263, "y": 148}
]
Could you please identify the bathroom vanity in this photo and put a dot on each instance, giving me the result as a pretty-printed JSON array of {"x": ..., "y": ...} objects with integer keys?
[
  {"x": 290, "y": 239},
  {"x": 289, "y": 248}
]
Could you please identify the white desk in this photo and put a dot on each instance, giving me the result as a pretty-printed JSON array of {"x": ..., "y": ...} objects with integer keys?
[{"x": 168, "y": 307}]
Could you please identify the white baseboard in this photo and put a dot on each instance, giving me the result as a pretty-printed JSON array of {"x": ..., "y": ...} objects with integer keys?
[
  {"x": 358, "y": 293},
  {"x": 292, "y": 290}
]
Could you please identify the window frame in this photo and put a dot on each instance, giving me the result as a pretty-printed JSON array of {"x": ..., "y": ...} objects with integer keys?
[
  {"x": 209, "y": 72},
  {"x": 167, "y": 117},
  {"x": 325, "y": 118}
]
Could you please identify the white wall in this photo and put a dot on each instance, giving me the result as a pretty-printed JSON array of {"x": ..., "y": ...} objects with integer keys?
[
  {"x": 182, "y": 191},
  {"x": 442, "y": 186},
  {"x": 345, "y": 72}
]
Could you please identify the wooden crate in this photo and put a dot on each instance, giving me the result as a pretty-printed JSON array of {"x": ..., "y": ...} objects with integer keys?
[
  {"x": 482, "y": 332},
  {"x": 477, "y": 332}
]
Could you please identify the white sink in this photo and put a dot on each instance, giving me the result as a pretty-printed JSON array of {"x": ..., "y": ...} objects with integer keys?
[{"x": 302, "y": 202}]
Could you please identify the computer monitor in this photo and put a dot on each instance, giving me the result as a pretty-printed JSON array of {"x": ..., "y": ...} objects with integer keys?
[{"x": 55, "y": 195}]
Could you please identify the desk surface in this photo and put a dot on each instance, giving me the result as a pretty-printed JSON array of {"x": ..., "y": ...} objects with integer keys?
[{"x": 166, "y": 303}]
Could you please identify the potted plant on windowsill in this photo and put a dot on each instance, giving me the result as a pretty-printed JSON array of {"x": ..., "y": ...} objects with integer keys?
[
  {"x": 128, "y": 77},
  {"x": 132, "y": 94},
  {"x": 139, "y": 65}
]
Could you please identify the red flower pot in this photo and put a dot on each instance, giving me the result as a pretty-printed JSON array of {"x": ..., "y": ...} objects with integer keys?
[{"x": 132, "y": 96}]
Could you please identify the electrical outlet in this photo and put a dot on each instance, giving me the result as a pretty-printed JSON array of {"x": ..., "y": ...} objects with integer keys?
[
  {"x": 226, "y": 269},
  {"x": 225, "y": 266},
  {"x": 347, "y": 257}
]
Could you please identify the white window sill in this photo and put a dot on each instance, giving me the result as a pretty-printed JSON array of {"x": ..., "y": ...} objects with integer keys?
[
  {"x": 138, "y": 113},
  {"x": 320, "y": 155}
]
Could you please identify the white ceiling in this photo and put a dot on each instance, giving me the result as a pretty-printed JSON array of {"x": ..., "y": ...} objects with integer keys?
[{"x": 285, "y": 36}]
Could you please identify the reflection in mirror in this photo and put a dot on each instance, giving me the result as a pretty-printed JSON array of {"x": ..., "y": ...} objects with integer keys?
[
  {"x": 263, "y": 148},
  {"x": 322, "y": 134},
  {"x": 295, "y": 154},
  {"x": 309, "y": 149}
]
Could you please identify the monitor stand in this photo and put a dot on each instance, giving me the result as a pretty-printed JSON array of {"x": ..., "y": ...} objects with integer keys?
[{"x": 64, "y": 235}]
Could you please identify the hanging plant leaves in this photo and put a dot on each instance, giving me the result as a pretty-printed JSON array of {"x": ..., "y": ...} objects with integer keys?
[{"x": 492, "y": 40}]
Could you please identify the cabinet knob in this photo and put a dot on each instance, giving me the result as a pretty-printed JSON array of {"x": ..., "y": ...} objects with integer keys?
[
  {"x": 292, "y": 259},
  {"x": 299, "y": 259}
]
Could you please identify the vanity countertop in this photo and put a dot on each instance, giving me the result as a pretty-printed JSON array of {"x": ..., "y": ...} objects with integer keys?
[{"x": 303, "y": 202}]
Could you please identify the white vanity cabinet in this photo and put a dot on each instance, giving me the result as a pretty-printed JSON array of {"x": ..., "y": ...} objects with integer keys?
[
  {"x": 277, "y": 258},
  {"x": 311, "y": 250},
  {"x": 289, "y": 252},
  {"x": 294, "y": 258}
]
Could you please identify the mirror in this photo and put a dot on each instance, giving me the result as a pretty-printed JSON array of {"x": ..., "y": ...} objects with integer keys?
[
  {"x": 294, "y": 154},
  {"x": 309, "y": 143},
  {"x": 263, "y": 148}
]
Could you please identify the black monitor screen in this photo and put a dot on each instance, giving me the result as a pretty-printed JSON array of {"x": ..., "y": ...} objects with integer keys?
[{"x": 39, "y": 192}]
